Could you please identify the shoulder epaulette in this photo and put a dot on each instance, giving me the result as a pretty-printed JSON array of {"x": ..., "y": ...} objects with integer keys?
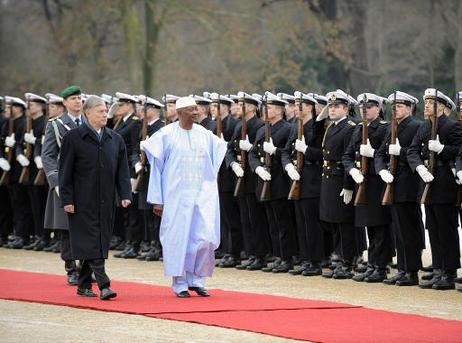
[
  {"x": 351, "y": 122},
  {"x": 383, "y": 122}
]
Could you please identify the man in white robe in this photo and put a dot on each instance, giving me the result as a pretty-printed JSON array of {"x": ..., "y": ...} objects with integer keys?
[{"x": 185, "y": 159}]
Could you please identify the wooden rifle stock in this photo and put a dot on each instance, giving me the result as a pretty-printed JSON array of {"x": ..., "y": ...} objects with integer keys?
[
  {"x": 266, "y": 190},
  {"x": 361, "y": 198},
  {"x": 431, "y": 154},
  {"x": 5, "y": 179},
  {"x": 389, "y": 193},
  {"x": 239, "y": 189},
  {"x": 294, "y": 193}
]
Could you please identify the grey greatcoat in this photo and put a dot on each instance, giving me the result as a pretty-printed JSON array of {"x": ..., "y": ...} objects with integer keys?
[
  {"x": 55, "y": 217},
  {"x": 91, "y": 171}
]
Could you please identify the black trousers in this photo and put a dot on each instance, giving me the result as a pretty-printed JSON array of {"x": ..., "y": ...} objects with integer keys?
[
  {"x": 231, "y": 234},
  {"x": 134, "y": 228},
  {"x": 6, "y": 217},
  {"x": 66, "y": 253},
  {"x": 380, "y": 246},
  {"x": 407, "y": 224},
  {"x": 344, "y": 240},
  {"x": 152, "y": 226},
  {"x": 38, "y": 199},
  {"x": 255, "y": 226},
  {"x": 309, "y": 231},
  {"x": 120, "y": 222},
  {"x": 22, "y": 215},
  {"x": 442, "y": 223},
  {"x": 96, "y": 266}
]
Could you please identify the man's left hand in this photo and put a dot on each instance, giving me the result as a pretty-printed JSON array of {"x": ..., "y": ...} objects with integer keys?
[
  {"x": 69, "y": 209},
  {"x": 126, "y": 203},
  {"x": 269, "y": 147}
]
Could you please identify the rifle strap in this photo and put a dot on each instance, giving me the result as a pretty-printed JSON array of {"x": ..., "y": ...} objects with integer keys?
[{"x": 325, "y": 133}]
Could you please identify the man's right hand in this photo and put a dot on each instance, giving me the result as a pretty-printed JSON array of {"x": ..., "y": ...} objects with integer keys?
[
  {"x": 69, "y": 209},
  {"x": 4, "y": 164},
  {"x": 10, "y": 141},
  {"x": 245, "y": 144},
  {"x": 158, "y": 209},
  {"x": 237, "y": 169}
]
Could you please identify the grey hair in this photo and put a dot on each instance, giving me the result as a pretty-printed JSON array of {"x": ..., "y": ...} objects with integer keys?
[{"x": 92, "y": 101}]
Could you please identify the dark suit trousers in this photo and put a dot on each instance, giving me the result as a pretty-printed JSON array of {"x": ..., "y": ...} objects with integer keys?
[
  {"x": 22, "y": 216},
  {"x": 231, "y": 234},
  {"x": 380, "y": 245},
  {"x": 280, "y": 220},
  {"x": 309, "y": 230},
  {"x": 96, "y": 266},
  {"x": 256, "y": 233},
  {"x": 38, "y": 199}
]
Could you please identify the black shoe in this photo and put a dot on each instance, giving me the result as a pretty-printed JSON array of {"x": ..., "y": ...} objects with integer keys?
[
  {"x": 360, "y": 277},
  {"x": 426, "y": 284},
  {"x": 107, "y": 293},
  {"x": 145, "y": 246},
  {"x": 392, "y": 281},
  {"x": 17, "y": 244},
  {"x": 284, "y": 267},
  {"x": 343, "y": 272},
  {"x": 183, "y": 294},
  {"x": 230, "y": 262},
  {"x": 258, "y": 264},
  {"x": 132, "y": 253},
  {"x": 428, "y": 269},
  {"x": 313, "y": 269},
  {"x": 300, "y": 269},
  {"x": 31, "y": 246},
  {"x": 428, "y": 276},
  {"x": 409, "y": 279},
  {"x": 446, "y": 282},
  {"x": 329, "y": 274},
  {"x": 122, "y": 246},
  {"x": 128, "y": 247},
  {"x": 141, "y": 257},
  {"x": 154, "y": 255},
  {"x": 276, "y": 262},
  {"x": 86, "y": 292},
  {"x": 200, "y": 291},
  {"x": 73, "y": 279},
  {"x": 115, "y": 241},
  {"x": 40, "y": 245},
  {"x": 378, "y": 275},
  {"x": 57, "y": 248},
  {"x": 244, "y": 265},
  {"x": 50, "y": 247}
]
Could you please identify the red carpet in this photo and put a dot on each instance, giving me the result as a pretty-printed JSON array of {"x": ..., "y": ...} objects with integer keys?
[{"x": 318, "y": 321}]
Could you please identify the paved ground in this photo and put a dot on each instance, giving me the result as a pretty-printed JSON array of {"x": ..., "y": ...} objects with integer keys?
[{"x": 22, "y": 322}]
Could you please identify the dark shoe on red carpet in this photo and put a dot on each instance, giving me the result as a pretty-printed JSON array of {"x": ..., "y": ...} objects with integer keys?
[
  {"x": 200, "y": 291},
  {"x": 73, "y": 279},
  {"x": 183, "y": 294},
  {"x": 107, "y": 293},
  {"x": 87, "y": 292}
]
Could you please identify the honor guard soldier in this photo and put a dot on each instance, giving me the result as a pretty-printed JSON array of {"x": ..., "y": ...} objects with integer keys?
[
  {"x": 270, "y": 140},
  {"x": 170, "y": 108},
  {"x": 203, "y": 107},
  {"x": 55, "y": 105},
  {"x": 231, "y": 235},
  {"x": 441, "y": 194},
  {"x": 252, "y": 212},
  {"x": 337, "y": 186},
  {"x": 392, "y": 165},
  {"x": 151, "y": 124},
  {"x": 370, "y": 213},
  {"x": 308, "y": 176},
  {"x": 55, "y": 217},
  {"x": 290, "y": 107},
  {"x": 6, "y": 218}
]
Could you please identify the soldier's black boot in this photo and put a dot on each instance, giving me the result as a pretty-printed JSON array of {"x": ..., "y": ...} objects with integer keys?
[
  {"x": 17, "y": 244},
  {"x": 299, "y": 270},
  {"x": 284, "y": 267},
  {"x": 344, "y": 271},
  {"x": 258, "y": 264},
  {"x": 360, "y": 277},
  {"x": 128, "y": 246},
  {"x": 267, "y": 269},
  {"x": 378, "y": 275},
  {"x": 230, "y": 262},
  {"x": 32, "y": 244},
  {"x": 447, "y": 281},
  {"x": 313, "y": 269},
  {"x": 247, "y": 263},
  {"x": 409, "y": 279},
  {"x": 393, "y": 280},
  {"x": 437, "y": 274}
]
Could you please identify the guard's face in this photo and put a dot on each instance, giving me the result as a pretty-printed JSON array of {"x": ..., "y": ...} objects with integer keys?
[
  {"x": 306, "y": 111},
  {"x": 372, "y": 111},
  {"x": 54, "y": 110},
  {"x": 17, "y": 111},
  {"x": 274, "y": 111},
  {"x": 428, "y": 108},
  {"x": 337, "y": 111},
  {"x": 152, "y": 113},
  {"x": 290, "y": 110},
  {"x": 235, "y": 110},
  {"x": 319, "y": 108},
  {"x": 34, "y": 108},
  {"x": 203, "y": 110},
  {"x": 171, "y": 111},
  {"x": 73, "y": 103},
  {"x": 7, "y": 112},
  {"x": 402, "y": 111},
  {"x": 97, "y": 116}
]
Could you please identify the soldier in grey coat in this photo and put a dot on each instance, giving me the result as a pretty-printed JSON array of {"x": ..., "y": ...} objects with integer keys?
[{"x": 55, "y": 217}]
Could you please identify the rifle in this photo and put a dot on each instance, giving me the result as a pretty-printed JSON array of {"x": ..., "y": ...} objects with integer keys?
[
  {"x": 165, "y": 110},
  {"x": 239, "y": 189},
  {"x": 219, "y": 119},
  {"x": 5, "y": 179},
  {"x": 141, "y": 178},
  {"x": 266, "y": 190},
  {"x": 459, "y": 188},
  {"x": 25, "y": 174},
  {"x": 361, "y": 198},
  {"x": 389, "y": 190},
  {"x": 40, "y": 178},
  {"x": 294, "y": 193},
  {"x": 431, "y": 154}
]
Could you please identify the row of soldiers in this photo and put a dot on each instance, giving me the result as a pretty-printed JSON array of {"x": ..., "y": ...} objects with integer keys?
[{"x": 302, "y": 181}]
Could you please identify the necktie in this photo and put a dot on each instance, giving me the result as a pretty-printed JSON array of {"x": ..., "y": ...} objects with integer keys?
[{"x": 77, "y": 122}]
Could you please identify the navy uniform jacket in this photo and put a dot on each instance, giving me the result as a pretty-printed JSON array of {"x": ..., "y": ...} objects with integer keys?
[
  {"x": 406, "y": 182},
  {"x": 208, "y": 123},
  {"x": 234, "y": 152},
  {"x": 310, "y": 176},
  {"x": 280, "y": 182},
  {"x": 19, "y": 130},
  {"x": 128, "y": 129},
  {"x": 444, "y": 187},
  {"x": 372, "y": 213}
]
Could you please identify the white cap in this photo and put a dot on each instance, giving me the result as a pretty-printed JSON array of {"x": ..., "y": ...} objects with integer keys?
[
  {"x": 200, "y": 100},
  {"x": 53, "y": 98},
  {"x": 321, "y": 99},
  {"x": 273, "y": 99},
  {"x": 287, "y": 97},
  {"x": 123, "y": 97},
  {"x": 170, "y": 98},
  {"x": 34, "y": 97},
  {"x": 248, "y": 98},
  {"x": 233, "y": 97},
  {"x": 186, "y": 101},
  {"x": 150, "y": 101},
  {"x": 15, "y": 101},
  {"x": 206, "y": 95},
  {"x": 306, "y": 98},
  {"x": 402, "y": 98},
  {"x": 257, "y": 96},
  {"x": 338, "y": 96},
  {"x": 441, "y": 97},
  {"x": 370, "y": 97},
  {"x": 215, "y": 97},
  {"x": 107, "y": 98}
]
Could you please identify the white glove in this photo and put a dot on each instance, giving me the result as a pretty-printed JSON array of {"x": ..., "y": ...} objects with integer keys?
[
  {"x": 347, "y": 195},
  {"x": 435, "y": 145},
  {"x": 138, "y": 167},
  {"x": 386, "y": 176},
  {"x": 112, "y": 110},
  {"x": 237, "y": 169},
  {"x": 459, "y": 177},
  {"x": 222, "y": 137},
  {"x": 4, "y": 164},
  {"x": 142, "y": 145},
  {"x": 269, "y": 147},
  {"x": 10, "y": 141},
  {"x": 366, "y": 150},
  {"x": 133, "y": 184},
  {"x": 57, "y": 190},
  {"x": 394, "y": 149},
  {"x": 425, "y": 175},
  {"x": 29, "y": 138},
  {"x": 38, "y": 162},
  {"x": 264, "y": 175},
  {"x": 301, "y": 146},
  {"x": 357, "y": 176},
  {"x": 292, "y": 172},
  {"x": 23, "y": 161},
  {"x": 245, "y": 144}
]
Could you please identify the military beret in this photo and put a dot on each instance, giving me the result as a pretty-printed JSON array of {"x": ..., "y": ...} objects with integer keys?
[{"x": 71, "y": 90}]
